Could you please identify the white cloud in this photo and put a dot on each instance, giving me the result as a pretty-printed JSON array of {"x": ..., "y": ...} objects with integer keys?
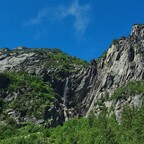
[
  {"x": 42, "y": 14},
  {"x": 80, "y": 13}
]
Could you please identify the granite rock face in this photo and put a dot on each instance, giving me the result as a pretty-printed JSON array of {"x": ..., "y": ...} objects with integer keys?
[
  {"x": 80, "y": 89},
  {"x": 123, "y": 63}
]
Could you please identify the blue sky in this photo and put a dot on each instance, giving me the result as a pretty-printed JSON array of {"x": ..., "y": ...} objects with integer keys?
[{"x": 82, "y": 28}]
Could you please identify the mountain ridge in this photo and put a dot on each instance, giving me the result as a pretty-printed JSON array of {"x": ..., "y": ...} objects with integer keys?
[{"x": 48, "y": 87}]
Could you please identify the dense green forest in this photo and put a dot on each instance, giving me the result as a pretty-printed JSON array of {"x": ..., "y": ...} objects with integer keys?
[{"x": 91, "y": 130}]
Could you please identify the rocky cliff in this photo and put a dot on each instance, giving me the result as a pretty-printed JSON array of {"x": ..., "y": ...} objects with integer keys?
[{"x": 78, "y": 88}]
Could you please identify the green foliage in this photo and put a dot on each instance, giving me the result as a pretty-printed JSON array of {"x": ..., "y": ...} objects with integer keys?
[
  {"x": 131, "y": 130},
  {"x": 91, "y": 130},
  {"x": 115, "y": 41},
  {"x": 123, "y": 37},
  {"x": 63, "y": 62},
  {"x": 33, "y": 97},
  {"x": 132, "y": 88}
]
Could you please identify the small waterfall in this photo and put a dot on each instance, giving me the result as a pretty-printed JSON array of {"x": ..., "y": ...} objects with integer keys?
[
  {"x": 65, "y": 98},
  {"x": 65, "y": 91}
]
